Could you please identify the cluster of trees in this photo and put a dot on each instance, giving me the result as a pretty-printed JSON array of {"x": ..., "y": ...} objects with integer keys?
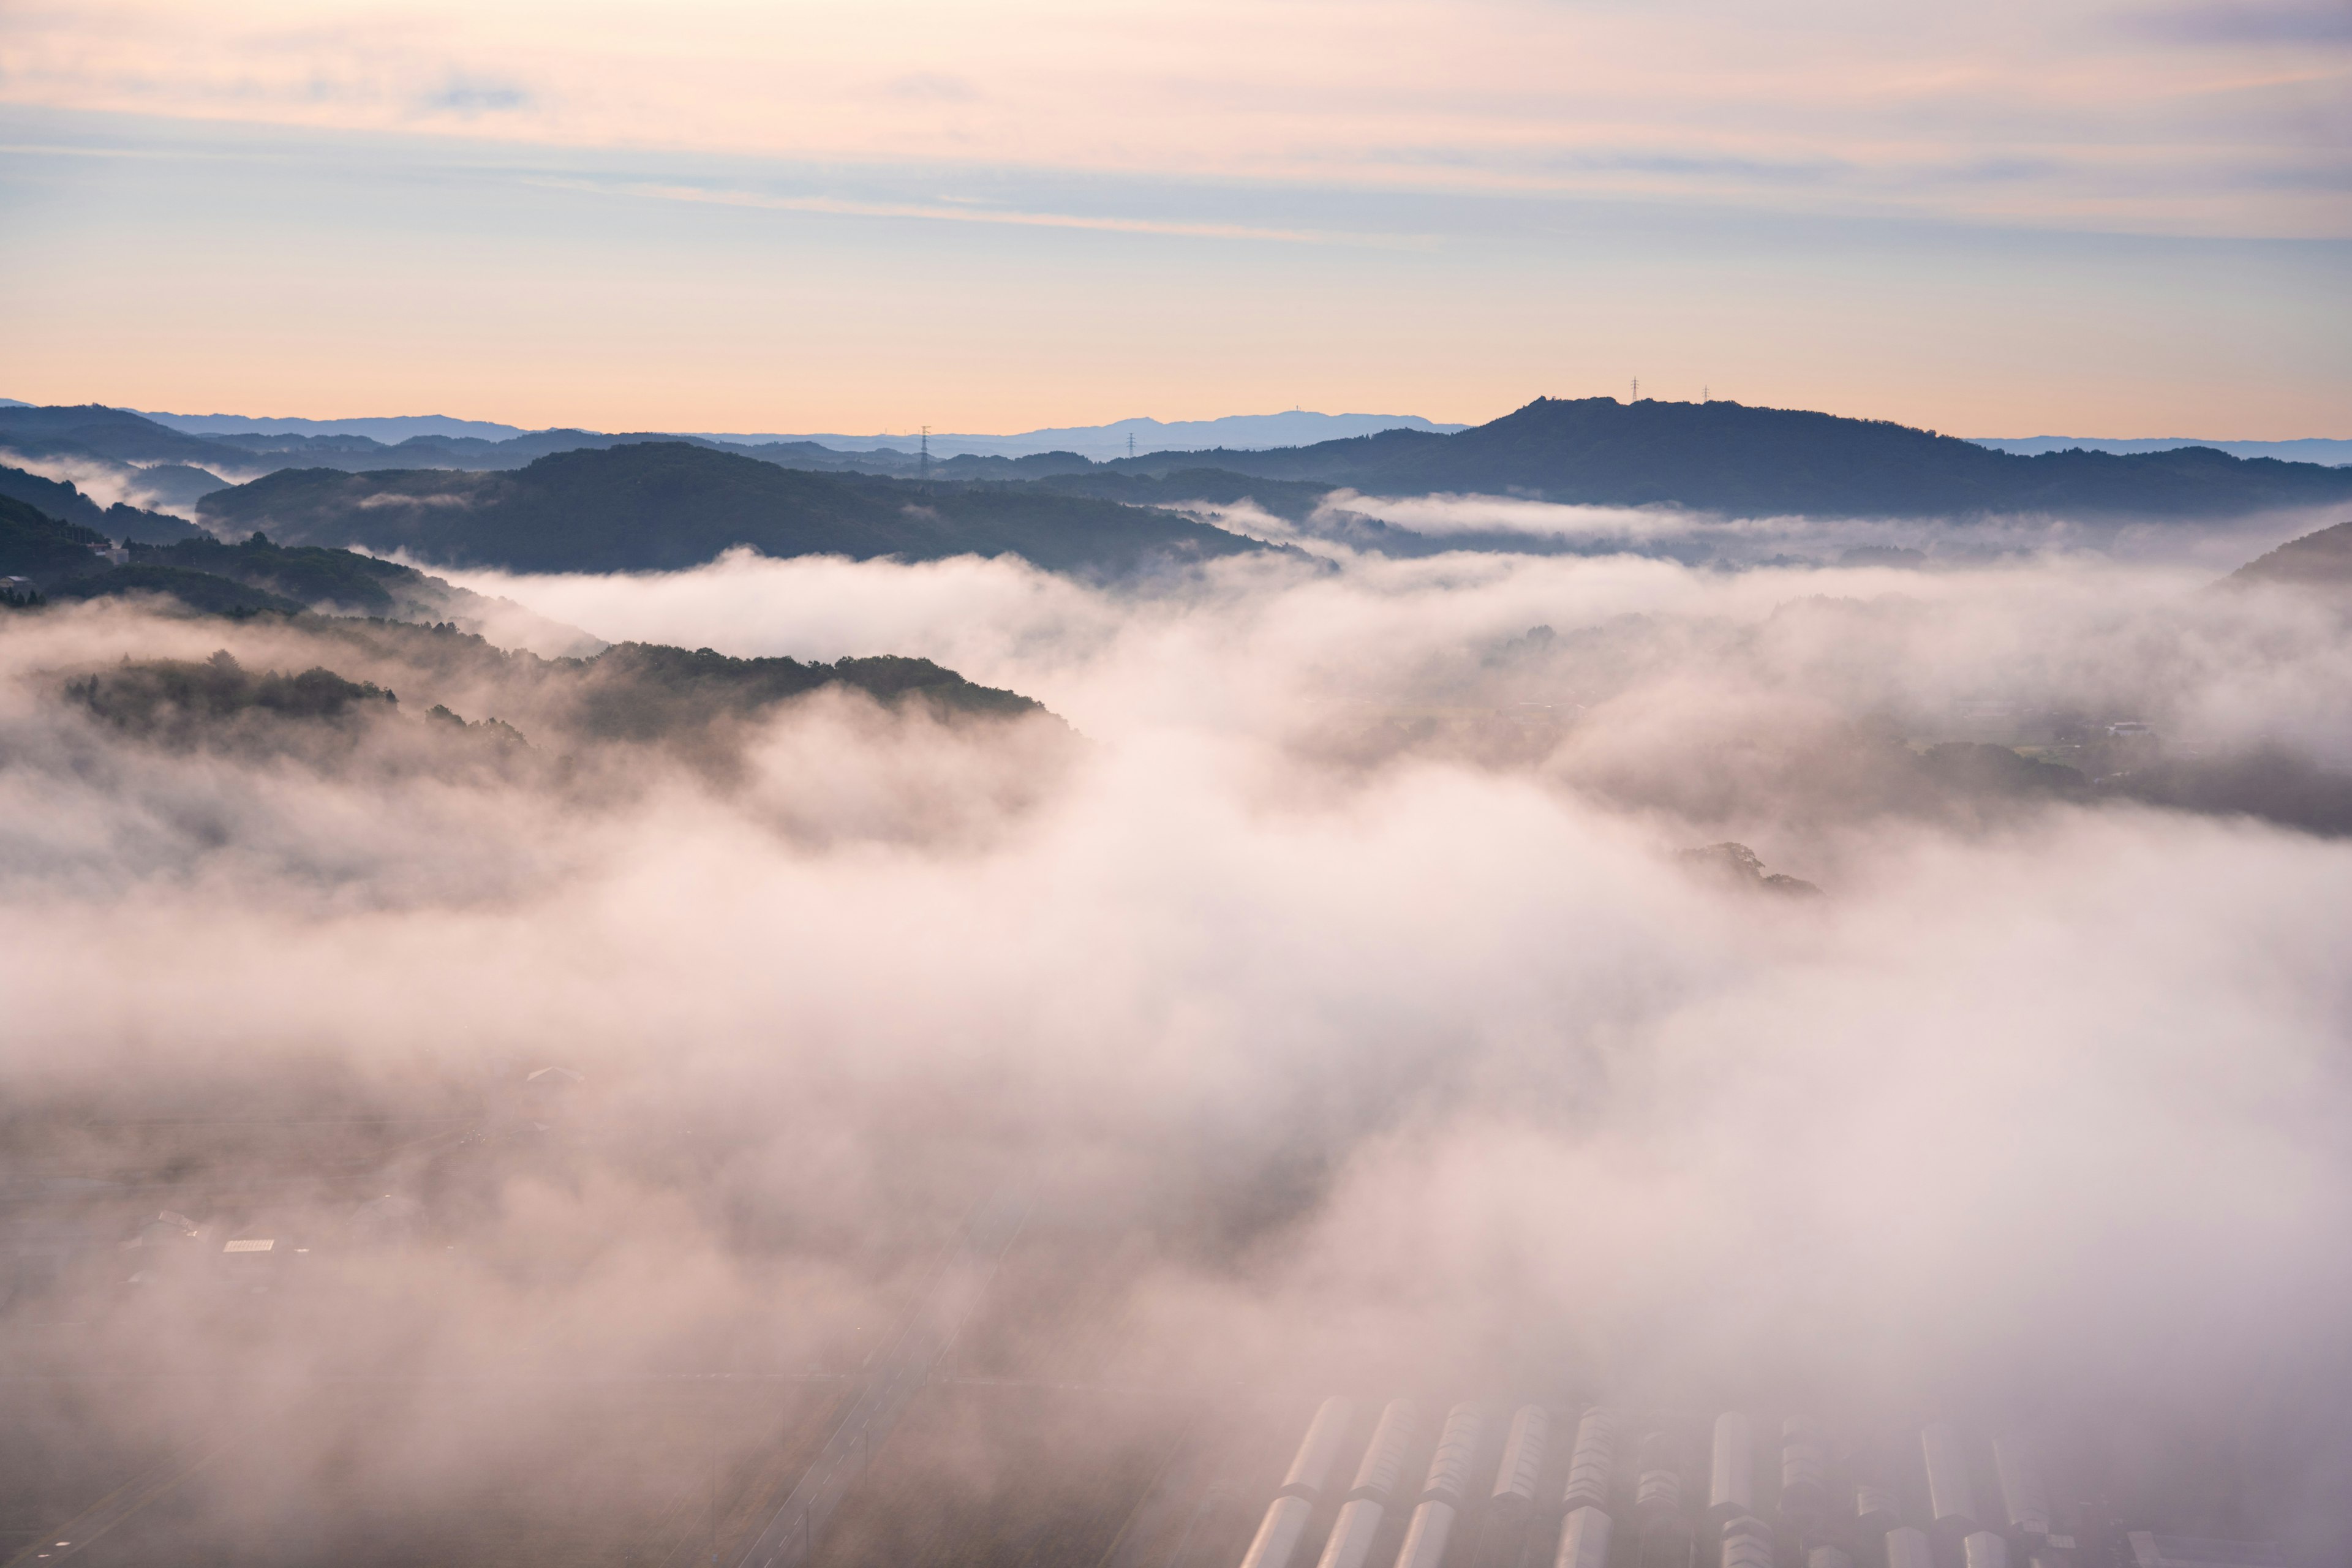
[
  {"x": 645, "y": 691},
  {"x": 175, "y": 698},
  {"x": 634, "y": 693}
]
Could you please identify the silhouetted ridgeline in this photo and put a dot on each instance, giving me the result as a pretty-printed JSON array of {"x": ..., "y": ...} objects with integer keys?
[
  {"x": 670, "y": 505},
  {"x": 65, "y": 561},
  {"x": 1717, "y": 456},
  {"x": 386, "y": 615},
  {"x": 341, "y": 582},
  {"x": 1724, "y": 457},
  {"x": 93, "y": 429},
  {"x": 59, "y": 499}
]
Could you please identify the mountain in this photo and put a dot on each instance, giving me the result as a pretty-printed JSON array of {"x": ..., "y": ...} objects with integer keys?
[
  {"x": 432, "y": 440},
  {"x": 643, "y": 691},
  {"x": 1292, "y": 428},
  {"x": 2306, "y": 449},
  {"x": 95, "y": 430},
  {"x": 636, "y": 692},
  {"x": 67, "y": 503},
  {"x": 203, "y": 592},
  {"x": 358, "y": 454},
  {"x": 67, "y": 561},
  {"x": 1240, "y": 432},
  {"x": 2322, "y": 560},
  {"x": 1719, "y": 457},
  {"x": 1725, "y": 457},
  {"x": 391, "y": 428},
  {"x": 335, "y": 581},
  {"x": 667, "y": 505},
  {"x": 35, "y": 545}
]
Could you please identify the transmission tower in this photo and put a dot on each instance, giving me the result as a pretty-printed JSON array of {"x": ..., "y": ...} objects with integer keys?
[{"x": 927, "y": 454}]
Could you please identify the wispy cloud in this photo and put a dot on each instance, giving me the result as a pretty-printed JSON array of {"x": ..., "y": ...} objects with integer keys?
[
  {"x": 955, "y": 212},
  {"x": 468, "y": 96},
  {"x": 2299, "y": 22},
  {"x": 1798, "y": 107}
]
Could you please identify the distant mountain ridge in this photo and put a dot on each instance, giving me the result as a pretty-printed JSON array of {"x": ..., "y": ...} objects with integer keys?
[
  {"x": 1235, "y": 432},
  {"x": 670, "y": 505},
  {"x": 2306, "y": 449},
  {"x": 387, "y": 428},
  {"x": 1241, "y": 432},
  {"x": 1719, "y": 457},
  {"x": 1728, "y": 458},
  {"x": 1245, "y": 431},
  {"x": 60, "y": 499}
]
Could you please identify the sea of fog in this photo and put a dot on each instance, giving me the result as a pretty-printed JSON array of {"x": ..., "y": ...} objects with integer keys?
[{"x": 1416, "y": 1057}]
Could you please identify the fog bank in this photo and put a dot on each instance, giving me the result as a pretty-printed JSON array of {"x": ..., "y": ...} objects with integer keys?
[{"x": 1340, "y": 975}]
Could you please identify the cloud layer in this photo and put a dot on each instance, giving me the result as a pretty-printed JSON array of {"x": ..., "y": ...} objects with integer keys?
[
  {"x": 2206, "y": 121},
  {"x": 1407, "y": 1063}
]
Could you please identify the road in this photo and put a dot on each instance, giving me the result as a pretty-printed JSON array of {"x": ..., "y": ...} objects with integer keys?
[{"x": 903, "y": 1367}]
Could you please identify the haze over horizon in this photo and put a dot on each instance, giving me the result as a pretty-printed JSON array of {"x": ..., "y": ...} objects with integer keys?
[{"x": 1245, "y": 431}]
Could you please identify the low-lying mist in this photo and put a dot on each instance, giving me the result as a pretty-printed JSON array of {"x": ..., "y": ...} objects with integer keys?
[{"x": 1326, "y": 957}]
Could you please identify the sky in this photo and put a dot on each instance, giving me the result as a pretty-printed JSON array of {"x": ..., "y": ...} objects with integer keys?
[{"x": 2087, "y": 216}]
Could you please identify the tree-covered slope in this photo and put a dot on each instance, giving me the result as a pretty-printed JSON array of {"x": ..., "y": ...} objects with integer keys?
[
  {"x": 204, "y": 592},
  {"x": 641, "y": 690},
  {"x": 100, "y": 431},
  {"x": 2321, "y": 560},
  {"x": 338, "y": 581},
  {"x": 37, "y": 545},
  {"x": 668, "y": 505},
  {"x": 64, "y": 501},
  {"x": 208, "y": 576}
]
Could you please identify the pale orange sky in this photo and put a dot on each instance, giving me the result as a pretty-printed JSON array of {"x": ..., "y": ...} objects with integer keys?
[{"x": 1997, "y": 219}]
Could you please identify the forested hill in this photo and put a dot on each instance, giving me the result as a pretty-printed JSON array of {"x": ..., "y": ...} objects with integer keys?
[
  {"x": 663, "y": 505},
  {"x": 39, "y": 547},
  {"x": 2321, "y": 560},
  {"x": 1726, "y": 457},
  {"x": 1719, "y": 457},
  {"x": 57, "y": 499}
]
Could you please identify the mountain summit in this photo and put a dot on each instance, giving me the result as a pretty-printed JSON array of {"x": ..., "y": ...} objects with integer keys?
[{"x": 1726, "y": 457}]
